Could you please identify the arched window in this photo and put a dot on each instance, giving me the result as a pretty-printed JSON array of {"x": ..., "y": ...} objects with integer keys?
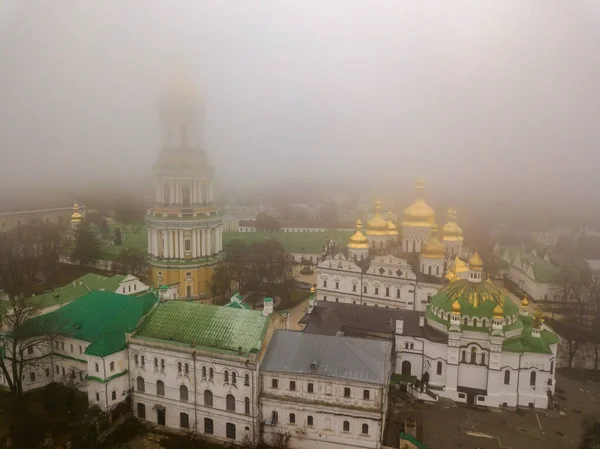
[
  {"x": 532, "y": 379},
  {"x": 414, "y": 246},
  {"x": 437, "y": 270},
  {"x": 162, "y": 364},
  {"x": 208, "y": 426},
  {"x": 112, "y": 366},
  {"x": 233, "y": 377},
  {"x": 482, "y": 358},
  {"x": 183, "y": 393},
  {"x": 484, "y": 322},
  {"x": 179, "y": 367},
  {"x": 160, "y": 388},
  {"x": 247, "y": 380},
  {"x": 365, "y": 429},
  {"x": 439, "y": 368},
  {"x": 226, "y": 376},
  {"x": 475, "y": 322},
  {"x": 32, "y": 377},
  {"x": 143, "y": 361},
  {"x": 230, "y": 402},
  {"x": 309, "y": 421},
  {"x": 406, "y": 367},
  {"x": 186, "y": 369},
  {"x": 292, "y": 418},
  {"x": 155, "y": 363},
  {"x": 211, "y": 373},
  {"x": 429, "y": 270},
  {"x": 204, "y": 372},
  {"x": 464, "y": 356},
  {"x": 346, "y": 426},
  {"x": 412, "y": 346},
  {"x": 507, "y": 377},
  {"x": 208, "y": 398},
  {"x": 473, "y": 355},
  {"x": 230, "y": 430},
  {"x": 136, "y": 360},
  {"x": 466, "y": 321},
  {"x": 141, "y": 385},
  {"x": 247, "y": 406}
]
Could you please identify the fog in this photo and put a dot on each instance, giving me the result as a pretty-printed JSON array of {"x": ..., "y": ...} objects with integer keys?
[{"x": 483, "y": 98}]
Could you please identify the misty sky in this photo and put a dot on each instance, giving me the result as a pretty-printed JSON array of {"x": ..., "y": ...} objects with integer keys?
[{"x": 485, "y": 96}]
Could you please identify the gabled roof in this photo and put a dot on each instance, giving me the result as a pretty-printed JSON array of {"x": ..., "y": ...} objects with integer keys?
[
  {"x": 347, "y": 358},
  {"x": 76, "y": 289},
  {"x": 224, "y": 329},
  {"x": 101, "y": 318},
  {"x": 543, "y": 271}
]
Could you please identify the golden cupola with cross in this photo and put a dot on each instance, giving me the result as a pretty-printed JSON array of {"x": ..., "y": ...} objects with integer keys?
[
  {"x": 452, "y": 234},
  {"x": 417, "y": 221},
  {"x": 184, "y": 223},
  {"x": 378, "y": 228}
]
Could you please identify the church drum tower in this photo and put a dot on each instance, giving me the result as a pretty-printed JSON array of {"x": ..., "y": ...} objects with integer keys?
[{"x": 184, "y": 224}]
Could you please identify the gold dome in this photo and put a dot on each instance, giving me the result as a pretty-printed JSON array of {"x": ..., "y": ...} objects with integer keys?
[
  {"x": 358, "y": 239},
  {"x": 475, "y": 262},
  {"x": 434, "y": 249},
  {"x": 392, "y": 229},
  {"x": 451, "y": 231},
  {"x": 456, "y": 307},
  {"x": 312, "y": 289},
  {"x": 76, "y": 216},
  {"x": 498, "y": 311},
  {"x": 525, "y": 302},
  {"x": 377, "y": 225},
  {"x": 460, "y": 266},
  {"x": 419, "y": 213}
]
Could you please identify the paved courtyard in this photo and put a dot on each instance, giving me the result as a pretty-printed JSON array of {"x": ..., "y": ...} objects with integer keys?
[{"x": 446, "y": 425}]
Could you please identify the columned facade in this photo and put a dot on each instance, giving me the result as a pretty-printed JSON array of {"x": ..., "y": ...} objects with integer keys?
[{"x": 184, "y": 225}]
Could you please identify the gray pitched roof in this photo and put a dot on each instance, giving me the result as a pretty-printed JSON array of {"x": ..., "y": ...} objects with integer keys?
[{"x": 348, "y": 358}]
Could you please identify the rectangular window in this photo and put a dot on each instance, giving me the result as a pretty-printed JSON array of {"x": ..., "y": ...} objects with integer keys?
[
  {"x": 346, "y": 392},
  {"x": 62, "y": 345},
  {"x": 325, "y": 284},
  {"x": 353, "y": 287},
  {"x": 366, "y": 394},
  {"x": 97, "y": 367},
  {"x": 310, "y": 387},
  {"x": 376, "y": 290},
  {"x": 337, "y": 285},
  {"x": 97, "y": 397},
  {"x": 292, "y": 385},
  {"x": 274, "y": 384},
  {"x": 114, "y": 396},
  {"x": 188, "y": 245},
  {"x": 184, "y": 421},
  {"x": 80, "y": 349},
  {"x": 365, "y": 289},
  {"x": 71, "y": 349},
  {"x": 57, "y": 370},
  {"x": 387, "y": 291}
]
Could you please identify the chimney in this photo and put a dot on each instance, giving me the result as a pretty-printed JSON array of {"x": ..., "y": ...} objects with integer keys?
[
  {"x": 268, "y": 307},
  {"x": 421, "y": 320},
  {"x": 399, "y": 327}
]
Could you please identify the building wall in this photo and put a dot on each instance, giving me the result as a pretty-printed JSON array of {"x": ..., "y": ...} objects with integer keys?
[
  {"x": 60, "y": 216},
  {"x": 200, "y": 276},
  {"x": 327, "y": 405},
  {"x": 194, "y": 380},
  {"x": 131, "y": 287}
]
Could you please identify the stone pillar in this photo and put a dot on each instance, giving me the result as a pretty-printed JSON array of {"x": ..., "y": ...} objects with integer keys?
[
  {"x": 172, "y": 193},
  {"x": 209, "y": 241},
  {"x": 193, "y": 192},
  {"x": 203, "y": 242},
  {"x": 181, "y": 245},
  {"x": 165, "y": 234},
  {"x": 155, "y": 240},
  {"x": 194, "y": 253}
]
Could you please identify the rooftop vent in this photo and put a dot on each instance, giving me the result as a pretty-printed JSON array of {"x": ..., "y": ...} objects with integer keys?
[{"x": 314, "y": 364}]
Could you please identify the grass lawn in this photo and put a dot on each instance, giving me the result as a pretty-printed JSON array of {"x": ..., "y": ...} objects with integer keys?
[{"x": 130, "y": 240}]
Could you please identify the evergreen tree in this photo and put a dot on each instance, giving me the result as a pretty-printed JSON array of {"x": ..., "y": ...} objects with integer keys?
[{"x": 87, "y": 245}]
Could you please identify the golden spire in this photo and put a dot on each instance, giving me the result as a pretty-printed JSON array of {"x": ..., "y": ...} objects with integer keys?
[
  {"x": 392, "y": 229},
  {"x": 475, "y": 262},
  {"x": 358, "y": 239},
  {"x": 312, "y": 289},
  {"x": 525, "y": 302},
  {"x": 419, "y": 214},
  {"x": 451, "y": 231},
  {"x": 377, "y": 225},
  {"x": 498, "y": 311},
  {"x": 456, "y": 307},
  {"x": 76, "y": 217},
  {"x": 460, "y": 266}
]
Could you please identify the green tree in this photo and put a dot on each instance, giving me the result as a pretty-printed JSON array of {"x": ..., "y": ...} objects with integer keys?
[
  {"x": 220, "y": 285},
  {"x": 87, "y": 245}
]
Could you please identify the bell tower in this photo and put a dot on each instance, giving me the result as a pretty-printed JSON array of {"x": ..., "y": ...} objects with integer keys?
[{"x": 184, "y": 224}]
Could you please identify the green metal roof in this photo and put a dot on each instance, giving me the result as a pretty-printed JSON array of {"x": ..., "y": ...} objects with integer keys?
[
  {"x": 293, "y": 242},
  {"x": 101, "y": 318},
  {"x": 543, "y": 271},
  {"x": 224, "y": 329},
  {"x": 76, "y": 289},
  {"x": 238, "y": 305},
  {"x": 527, "y": 343}
]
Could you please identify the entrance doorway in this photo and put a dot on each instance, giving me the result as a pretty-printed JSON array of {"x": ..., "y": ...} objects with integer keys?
[
  {"x": 471, "y": 398},
  {"x": 160, "y": 417},
  {"x": 406, "y": 367}
]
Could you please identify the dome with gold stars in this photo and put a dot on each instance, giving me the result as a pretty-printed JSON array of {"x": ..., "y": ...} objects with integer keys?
[
  {"x": 377, "y": 225},
  {"x": 419, "y": 214},
  {"x": 475, "y": 299},
  {"x": 358, "y": 239}
]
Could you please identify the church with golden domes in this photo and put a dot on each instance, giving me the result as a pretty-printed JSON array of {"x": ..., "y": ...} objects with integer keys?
[
  {"x": 460, "y": 337},
  {"x": 184, "y": 224}
]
